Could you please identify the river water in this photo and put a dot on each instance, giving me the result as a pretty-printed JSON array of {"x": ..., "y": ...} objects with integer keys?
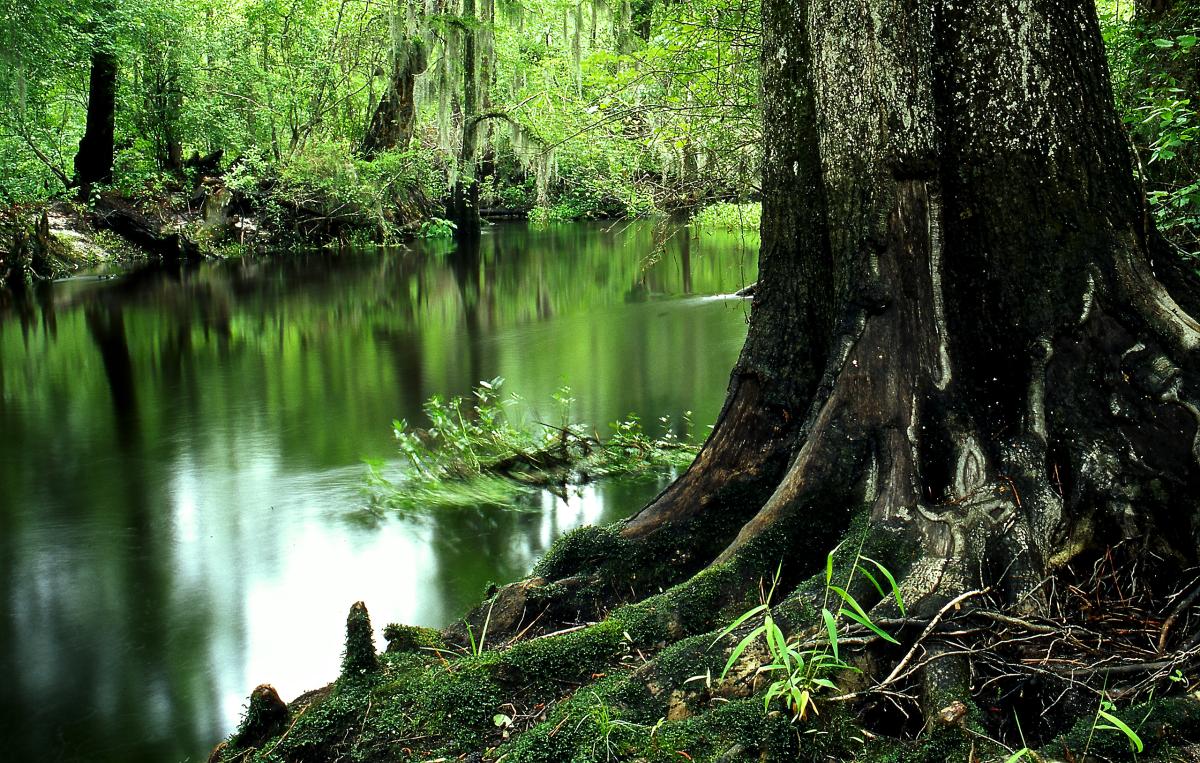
[{"x": 182, "y": 507}]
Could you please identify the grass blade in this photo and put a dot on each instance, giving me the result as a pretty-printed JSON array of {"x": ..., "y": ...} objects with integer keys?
[
  {"x": 741, "y": 647},
  {"x": 831, "y": 629},
  {"x": 1135, "y": 741},
  {"x": 892, "y": 580}
]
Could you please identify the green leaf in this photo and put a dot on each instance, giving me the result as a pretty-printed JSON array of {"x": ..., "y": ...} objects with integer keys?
[
  {"x": 741, "y": 647},
  {"x": 859, "y": 615},
  {"x": 776, "y": 642},
  {"x": 1020, "y": 754},
  {"x": 734, "y": 625},
  {"x": 1163, "y": 43},
  {"x": 891, "y": 580},
  {"x": 831, "y": 629},
  {"x": 866, "y": 623},
  {"x": 867, "y": 574},
  {"x": 1135, "y": 741}
]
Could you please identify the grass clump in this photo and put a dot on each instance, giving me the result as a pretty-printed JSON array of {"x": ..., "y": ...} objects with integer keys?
[{"x": 474, "y": 452}]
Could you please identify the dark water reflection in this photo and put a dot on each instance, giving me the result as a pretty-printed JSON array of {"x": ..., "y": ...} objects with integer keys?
[{"x": 181, "y": 457}]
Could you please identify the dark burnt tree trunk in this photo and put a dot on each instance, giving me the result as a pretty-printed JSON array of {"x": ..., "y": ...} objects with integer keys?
[
  {"x": 97, "y": 151},
  {"x": 957, "y": 324}
]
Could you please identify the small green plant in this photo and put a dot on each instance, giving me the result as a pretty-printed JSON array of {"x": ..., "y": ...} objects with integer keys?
[
  {"x": 1105, "y": 720},
  {"x": 475, "y": 452},
  {"x": 802, "y": 669},
  {"x": 477, "y": 647},
  {"x": 607, "y": 724},
  {"x": 436, "y": 227}
]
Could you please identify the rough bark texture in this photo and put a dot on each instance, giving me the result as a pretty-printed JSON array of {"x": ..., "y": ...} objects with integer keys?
[
  {"x": 957, "y": 322},
  {"x": 958, "y": 337}
]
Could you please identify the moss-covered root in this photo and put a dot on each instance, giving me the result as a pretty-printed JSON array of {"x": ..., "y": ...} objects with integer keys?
[
  {"x": 359, "y": 657},
  {"x": 266, "y": 716},
  {"x": 412, "y": 638},
  {"x": 1168, "y": 730}
]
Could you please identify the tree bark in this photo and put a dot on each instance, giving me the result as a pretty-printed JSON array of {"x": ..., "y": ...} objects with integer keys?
[
  {"x": 97, "y": 150},
  {"x": 392, "y": 123},
  {"x": 463, "y": 206},
  {"x": 957, "y": 323}
]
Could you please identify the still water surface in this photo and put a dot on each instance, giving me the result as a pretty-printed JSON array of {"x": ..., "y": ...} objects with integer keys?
[{"x": 181, "y": 459}]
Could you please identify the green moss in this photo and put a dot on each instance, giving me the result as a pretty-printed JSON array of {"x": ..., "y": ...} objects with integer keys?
[
  {"x": 458, "y": 701},
  {"x": 738, "y": 729},
  {"x": 266, "y": 716},
  {"x": 411, "y": 638},
  {"x": 584, "y": 548},
  {"x": 568, "y": 657},
  {"x": 1160, "y": 723},
  {"x": 359, "y": 656}
]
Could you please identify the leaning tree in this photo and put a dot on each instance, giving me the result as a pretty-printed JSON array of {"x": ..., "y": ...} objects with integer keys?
[{"x": 969, "y": 354}]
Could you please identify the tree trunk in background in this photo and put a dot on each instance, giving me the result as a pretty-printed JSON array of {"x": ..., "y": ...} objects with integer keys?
[
  {"x": 166, "y": 107},
  {"x": 463, "y": 206},
  {"x": 392, "y": 123},
  {"x": 94, "y": 162},
  {"x": 1152, "y": 10}
]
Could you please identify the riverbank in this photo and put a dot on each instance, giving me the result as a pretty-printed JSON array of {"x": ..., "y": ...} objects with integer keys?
[{"x": 183, "y": 515}]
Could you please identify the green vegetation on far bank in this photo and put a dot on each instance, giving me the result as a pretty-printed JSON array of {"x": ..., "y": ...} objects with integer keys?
[{"x": 259, "y": 124}]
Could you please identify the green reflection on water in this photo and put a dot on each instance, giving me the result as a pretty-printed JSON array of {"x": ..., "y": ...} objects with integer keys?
[{"x": 180, "y": 454}]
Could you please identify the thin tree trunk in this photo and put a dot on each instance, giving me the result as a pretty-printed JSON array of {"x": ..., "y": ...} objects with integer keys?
[{"x": 464, "y": 196}]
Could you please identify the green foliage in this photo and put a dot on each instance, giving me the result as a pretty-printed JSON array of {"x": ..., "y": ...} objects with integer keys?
[
  {"x": 729, "y": 216},
  {"x": 803, "y": 669},
  {"x": 633, "y": 109},
  {"x": 325, "y": 189},
  {"x": 412, "y": 638},
  {"x": 1154, "y": 62},
  {"x": 474, "y": 453},
  {"x": 436, "y": 227}
]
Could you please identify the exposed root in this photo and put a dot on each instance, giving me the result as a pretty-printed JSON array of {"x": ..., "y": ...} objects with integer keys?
[{"x": 739, "y": 464}]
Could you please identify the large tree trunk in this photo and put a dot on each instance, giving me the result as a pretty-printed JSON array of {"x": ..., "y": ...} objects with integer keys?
[
  {"x": 97, "y": 151},
  {"x": 959, "y": 356},
  {"x": 985, "y": 313},
  {"x": 957, "y": 324}
]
